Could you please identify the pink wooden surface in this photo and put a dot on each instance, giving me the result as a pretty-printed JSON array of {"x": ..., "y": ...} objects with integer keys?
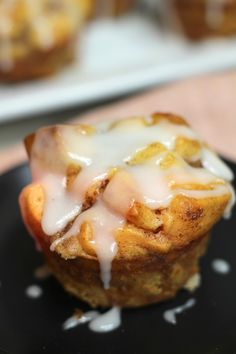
[{"x": 208, "y": 103}]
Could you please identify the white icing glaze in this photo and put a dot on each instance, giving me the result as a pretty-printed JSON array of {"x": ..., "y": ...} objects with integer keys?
[
  {"x": 170, "y": 315},
  {"x": 34, "y": 291},
  {"x": 215, "y": 165},
  {"x": 104, "y": 222},
  {"x": 124, "y": 143},
  {"x": 60, "y": 207},
  {"x": 229, "y": 207},
  {"x": 146, "y": 178},
  {"x": 220, "y": 266},
  {"x": 111, "y": 148},
  {"x": 120, "y": 202},
  {"x": 75, "y": 320},
  {"x": 198, "y": 194},
  {"x": 106, "y": 322}
]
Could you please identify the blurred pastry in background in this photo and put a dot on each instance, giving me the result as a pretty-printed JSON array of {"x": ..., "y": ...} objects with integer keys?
[
  {"x": 106, "y": 8},
  {"x": 37, "y": 38},
  {"x": 87, "y": 7},
  {"x": 122, "y": 6},
  {"x": 200, "y": 19}
]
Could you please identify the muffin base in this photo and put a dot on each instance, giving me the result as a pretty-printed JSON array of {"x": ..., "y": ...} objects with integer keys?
[
  {"x": 40, "y": 64},
  {"x": 134, "y": 283}
]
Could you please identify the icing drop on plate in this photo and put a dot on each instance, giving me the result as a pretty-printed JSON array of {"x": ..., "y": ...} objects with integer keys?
[
  {"x": 34, "y": 291},
  {"x": 106, "y": 322},
  {"x": 220, "y": 266},
  {"x": 170, "y": 315},
  {"x": 75, "y": 320},
  {"x": 101, "y": 323}
]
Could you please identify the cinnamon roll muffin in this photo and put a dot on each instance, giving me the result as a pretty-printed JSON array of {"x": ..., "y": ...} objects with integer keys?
[
  {"x": 200, "y": 19},
  {"x": 87, "y": 7},
  {"x": 37, "y": 38},
  {"x": 104, "y": 8},
  {"x": 121, "y": 7},
  {"x": 122, "y": 211}
]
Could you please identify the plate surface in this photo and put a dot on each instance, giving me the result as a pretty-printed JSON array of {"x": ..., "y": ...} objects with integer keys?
[
  {"x": 34, "y": 326},
  {"x": 116, "y": 58}
]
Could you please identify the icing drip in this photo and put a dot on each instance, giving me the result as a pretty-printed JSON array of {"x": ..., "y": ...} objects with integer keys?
[
  {"x": 60, "y": 207},
  {"x": 170, "y": 315},
  {"x": 229, "y": 207},
  {"x": 213, "y": 164},
  {"x": 107, "y": 155},
  {"x": 103, "y": 223}
]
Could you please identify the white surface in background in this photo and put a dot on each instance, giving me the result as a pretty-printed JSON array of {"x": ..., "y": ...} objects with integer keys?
[{"x": 117, "y": 57}]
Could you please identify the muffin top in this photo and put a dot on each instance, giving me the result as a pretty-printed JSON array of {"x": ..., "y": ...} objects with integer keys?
[
  {"x": 37, "y": 25},
  {"x": 126, "y": 188}
]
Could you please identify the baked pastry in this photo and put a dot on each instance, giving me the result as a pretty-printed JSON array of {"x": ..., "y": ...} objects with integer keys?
[
  {"x": 122, "y": 211},
  {"x": 101, "y": 8},
  {"x": 200, "y": 19},
  {"x": 37, "y": 38},
  {"x": 87, "y": 7},
  {"x": 121, "y": 7}
]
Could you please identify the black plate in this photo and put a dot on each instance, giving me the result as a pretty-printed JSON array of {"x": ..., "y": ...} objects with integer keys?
[{"x": 30, "y": 326}]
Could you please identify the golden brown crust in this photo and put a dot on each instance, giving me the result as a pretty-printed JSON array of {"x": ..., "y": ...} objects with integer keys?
[
  {"x": 185, "y": 220},
  {"x": 86, "y": 7},
  {"x": 92, "y": 8},
  {"x": 136, "y": 282},
  {"x": 148, "y": 268},
  {"x": 40, "y": 40},
  {"x": 192, "y": 17},
  {"x": 122, "y": 6},
  {"x": 146, "y": 271},
  {"x": 40, "y": 63},
  {"x": 158, "y": 250}
]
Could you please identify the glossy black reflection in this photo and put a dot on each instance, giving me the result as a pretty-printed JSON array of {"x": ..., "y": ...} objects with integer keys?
[{"x": 30, "y": 326}]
